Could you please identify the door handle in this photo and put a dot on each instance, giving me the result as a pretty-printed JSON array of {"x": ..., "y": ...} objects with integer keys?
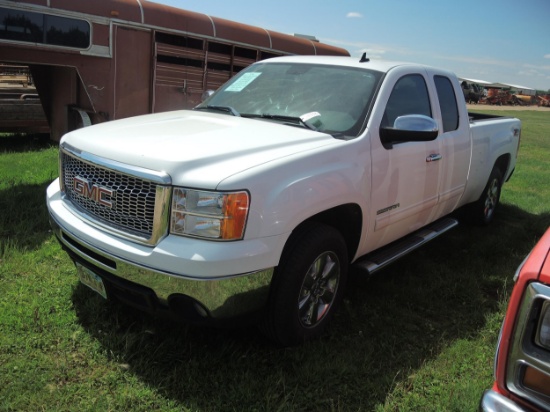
[{"x": 434, "y": 157}]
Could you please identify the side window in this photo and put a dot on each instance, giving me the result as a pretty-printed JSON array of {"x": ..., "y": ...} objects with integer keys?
[
  {"x": 447, "y": 101},
  {"x": 39, "y": 28},
  {"x": 409, "y": 96}
]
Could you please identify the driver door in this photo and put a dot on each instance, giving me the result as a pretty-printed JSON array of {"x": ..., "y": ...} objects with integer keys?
[{"x": 406, "y": 175}]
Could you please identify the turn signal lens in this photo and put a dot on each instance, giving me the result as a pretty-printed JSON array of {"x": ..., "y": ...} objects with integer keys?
[
  {"x": 211, "y": 215},
  {"x": 536, "y": 381},
  {"x": 236, "y": 210}
]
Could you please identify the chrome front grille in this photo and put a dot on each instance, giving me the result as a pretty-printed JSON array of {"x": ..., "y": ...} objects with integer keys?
[{"x": 128, "y": 201}]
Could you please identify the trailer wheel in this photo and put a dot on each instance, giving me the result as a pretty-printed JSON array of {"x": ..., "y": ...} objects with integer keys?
[
  {"x": 483, "y": 210},
  {"x": 308, "y": 285}
]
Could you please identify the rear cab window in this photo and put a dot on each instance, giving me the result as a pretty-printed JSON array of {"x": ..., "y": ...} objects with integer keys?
[{"x": 447, "y": 103}]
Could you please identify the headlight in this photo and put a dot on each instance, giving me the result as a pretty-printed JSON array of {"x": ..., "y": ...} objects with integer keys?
[
  {"x": 212, "y": 215},
  {"x": 543, "y": 332}
]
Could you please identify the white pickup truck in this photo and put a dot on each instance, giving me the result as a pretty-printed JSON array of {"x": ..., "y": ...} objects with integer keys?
[{"x": 259, "y": 199}]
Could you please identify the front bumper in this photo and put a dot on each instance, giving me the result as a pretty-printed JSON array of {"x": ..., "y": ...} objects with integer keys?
[
  {"x": 492, "y": 401},
  {"x": 152, "y": 278}
]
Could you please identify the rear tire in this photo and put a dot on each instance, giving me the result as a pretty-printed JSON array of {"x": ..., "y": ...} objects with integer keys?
[
  {"x": 483, "y": 211},
  {"x": 308, "y": 285}
]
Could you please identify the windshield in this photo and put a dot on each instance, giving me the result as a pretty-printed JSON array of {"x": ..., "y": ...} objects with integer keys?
[{"x": 330, "y": 99}]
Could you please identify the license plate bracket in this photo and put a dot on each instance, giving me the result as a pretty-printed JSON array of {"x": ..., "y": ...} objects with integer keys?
[{"x": 90, "y": 279}]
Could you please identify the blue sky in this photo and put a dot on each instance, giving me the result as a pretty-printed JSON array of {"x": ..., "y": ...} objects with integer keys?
[{"x": 494, "y": 40}]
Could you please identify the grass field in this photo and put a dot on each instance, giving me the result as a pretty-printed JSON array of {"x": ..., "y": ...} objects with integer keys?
[{"x": 419, "y": 336}]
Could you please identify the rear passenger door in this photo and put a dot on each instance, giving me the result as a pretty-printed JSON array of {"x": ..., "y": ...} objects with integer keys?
[{"x": 454, "y": 141}]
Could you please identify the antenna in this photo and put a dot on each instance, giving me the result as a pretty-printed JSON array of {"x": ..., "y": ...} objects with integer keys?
[{"x": 364, "y": 58}]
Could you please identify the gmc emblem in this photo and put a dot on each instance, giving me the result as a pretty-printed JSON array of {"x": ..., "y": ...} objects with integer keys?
[{"x": 99, "y": 194}]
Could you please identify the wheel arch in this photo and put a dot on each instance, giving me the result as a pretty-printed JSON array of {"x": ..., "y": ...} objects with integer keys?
[
  {"x": 503, "y": 163},
  {"x": 346, "y": 218}
]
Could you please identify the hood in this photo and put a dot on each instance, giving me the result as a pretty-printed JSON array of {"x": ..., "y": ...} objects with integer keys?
[{"x": 196, "y": 149}]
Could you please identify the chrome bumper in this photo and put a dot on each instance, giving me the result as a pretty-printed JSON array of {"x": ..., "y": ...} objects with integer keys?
[
  {"x": 492, "y": 401},
  {"x": 218, "y": 298}
]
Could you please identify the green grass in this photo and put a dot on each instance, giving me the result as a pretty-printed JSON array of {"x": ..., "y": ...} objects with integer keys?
[{"x": 418, "y": 336}]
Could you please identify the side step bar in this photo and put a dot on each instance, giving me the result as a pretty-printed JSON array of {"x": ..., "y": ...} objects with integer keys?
[{"x": 384, "y": 256}]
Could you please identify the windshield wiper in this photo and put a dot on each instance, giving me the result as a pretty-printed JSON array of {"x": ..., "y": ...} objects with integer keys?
[
  {"x": 294, "y": 119},
  {"x": 225, "y": 109}
]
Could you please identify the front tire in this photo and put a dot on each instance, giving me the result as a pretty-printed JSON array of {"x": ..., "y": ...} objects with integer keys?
[{"x": 308, "y": 285}]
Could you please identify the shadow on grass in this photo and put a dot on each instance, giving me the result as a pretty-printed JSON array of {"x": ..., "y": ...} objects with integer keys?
[
  {"x": 23, "y": 216},
  {"x": 20, "y": 143},
  {"x": 389, "y": 326}
]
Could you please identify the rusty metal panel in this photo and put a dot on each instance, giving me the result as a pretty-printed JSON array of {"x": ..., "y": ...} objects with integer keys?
[
  {"x": 101, "y": 35},
  {"x": 216, "y": 78},
  {"x": 243, "y": 57},
  {"x": 133, "y": 72},
  {"x": 180, "y": 51},
  {"x": 180, "y": 71},
  {"x": 194, "y": 52},
  {"x": 177, "y": 87},
  {"x": 291, "y": 44},
  {"x": 177, "y": 19},
  {"x": 328, "y": 50},
  {"x": 183, "y": 79},
  {"x": 174, "y": 90},
  {"x": 128, "y": 10},
  {"x": 241, "y": 33}
]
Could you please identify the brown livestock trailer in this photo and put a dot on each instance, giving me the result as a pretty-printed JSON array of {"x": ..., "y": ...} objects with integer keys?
[{"x": 93, "y": 61}]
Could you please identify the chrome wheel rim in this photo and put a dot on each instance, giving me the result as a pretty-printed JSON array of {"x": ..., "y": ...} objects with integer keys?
[
  {"x": 491, "y": 199},
  {"x": 319, "y": 289}
]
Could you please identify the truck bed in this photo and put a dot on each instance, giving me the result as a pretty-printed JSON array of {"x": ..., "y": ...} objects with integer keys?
[
  {"x": 474, "y": 117},
  {"x": 494, "y": 139}
]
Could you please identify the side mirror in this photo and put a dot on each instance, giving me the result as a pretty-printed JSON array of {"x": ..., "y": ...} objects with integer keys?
[{"x": 409, "y": 128}]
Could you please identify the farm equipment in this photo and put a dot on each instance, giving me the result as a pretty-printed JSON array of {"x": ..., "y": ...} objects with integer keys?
[
  {"x": 522, "y": 100},
  {"x": 543, "y": 100},
  {"x": 498, "y": 97}
]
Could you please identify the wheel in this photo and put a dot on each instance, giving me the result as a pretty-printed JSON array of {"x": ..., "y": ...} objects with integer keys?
[
  {"x": 308, "y": 285},
  {"x": 483, "y": 210}
]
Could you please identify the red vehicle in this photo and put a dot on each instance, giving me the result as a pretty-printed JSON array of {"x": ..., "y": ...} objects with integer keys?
[{"x": 522, "y": 362}]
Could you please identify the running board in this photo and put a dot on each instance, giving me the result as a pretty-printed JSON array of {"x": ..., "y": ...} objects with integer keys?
[{"x": 390, "y": 253}]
